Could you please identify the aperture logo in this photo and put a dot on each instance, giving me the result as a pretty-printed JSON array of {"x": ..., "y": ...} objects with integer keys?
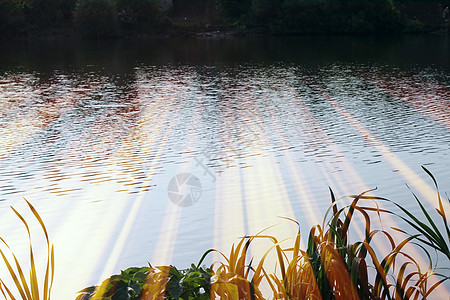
[{"x": 184, "y": 189}]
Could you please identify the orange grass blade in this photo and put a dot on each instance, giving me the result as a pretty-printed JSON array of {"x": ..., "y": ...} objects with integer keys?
[
  {"x": 33, "y": 275},
  {"x": 381, "y": 273},
  {"x": 46, "y": 295},
  {"x": 21, "y": 290},
  {"x": 348, "y": 218},
  {"x": 11, "y": 297},
  {"x": 53, "y": 271}
]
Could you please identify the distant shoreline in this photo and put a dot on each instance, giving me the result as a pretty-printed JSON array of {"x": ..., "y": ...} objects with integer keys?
[
  {"x": 72, "y": 35},
  {"x": 120, "y": 19}
]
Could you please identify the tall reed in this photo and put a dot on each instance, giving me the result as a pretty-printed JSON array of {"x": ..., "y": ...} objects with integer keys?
[{"x": 28, "y": 289}]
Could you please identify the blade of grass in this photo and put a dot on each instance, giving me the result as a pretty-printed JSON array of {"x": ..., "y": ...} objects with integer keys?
[
  {"x": 25, "y": 288},
  {"x": 11, "y": 297},
  {"x": 33, "y": 275},
  {"x": 46, "y": 277}
]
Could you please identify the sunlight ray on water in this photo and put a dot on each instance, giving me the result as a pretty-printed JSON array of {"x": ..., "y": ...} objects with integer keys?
[
  {"x": 153, "y": 141},
  {"x": 409, "y": 175},
  {"x": 264, "y": 139},
  {"x": 121, "y": 216},
  {"x": 337, "y": 183},
  {"x": 427, "y": 97},
  {"x": 38, "y": 116},
  {"x": 169, "y": 230}
]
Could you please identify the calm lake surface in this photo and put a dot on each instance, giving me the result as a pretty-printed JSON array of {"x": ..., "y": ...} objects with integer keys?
[{"x": 155, "y": 151}]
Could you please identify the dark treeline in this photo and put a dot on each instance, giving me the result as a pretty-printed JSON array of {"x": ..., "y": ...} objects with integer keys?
[
  {"x": 111, "y": 18},
  {"x": 91, "y": 18},
  {"x": 339, "y": 16}
]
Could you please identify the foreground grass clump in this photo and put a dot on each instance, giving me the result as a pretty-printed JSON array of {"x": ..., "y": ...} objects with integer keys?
[
  {"x": 332, "y": 266},
  {"x": 28, "y": 289}
]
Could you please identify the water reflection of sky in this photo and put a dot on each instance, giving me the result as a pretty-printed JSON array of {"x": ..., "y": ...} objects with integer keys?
[{"x": 92, "y": 137}]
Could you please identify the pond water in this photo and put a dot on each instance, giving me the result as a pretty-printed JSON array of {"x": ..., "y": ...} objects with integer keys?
[{"x": 155, "y": 151}]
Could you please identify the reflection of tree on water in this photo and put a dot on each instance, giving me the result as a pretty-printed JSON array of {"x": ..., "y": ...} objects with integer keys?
[{"x": 445, "y": 15}]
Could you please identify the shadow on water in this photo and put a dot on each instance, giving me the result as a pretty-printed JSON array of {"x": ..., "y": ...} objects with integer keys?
[{"x": 121, "y": 56}]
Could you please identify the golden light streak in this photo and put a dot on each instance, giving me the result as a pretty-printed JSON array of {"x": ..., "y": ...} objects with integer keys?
[
  {"x": 149, "y": 144},
  {"x": 229, "y": 219},
  {"x": 265, "y": 192},
  {"x": 414, "y": 180},
  {"x": 265, "y": 195},
  {"x": 23, "y": 128},
  {"x": 435, "y": 105},
  {"x": 165, "y": 245},
  {"x": 116, "y": 208},
  {"x": 350, "y": 171}
]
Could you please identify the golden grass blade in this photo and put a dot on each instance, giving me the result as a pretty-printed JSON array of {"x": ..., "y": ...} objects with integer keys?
[
  {"x": 272, "y": 287},
  {"x": 280, "y": 289},
  {"x": 296, "y": 248},
  {"x": 279, "y": 251},
  {"x": 25, "y": 288},
  {"x": 38, "y": 217},
  {"x": 1, "y": 289},
  {"x": 240, "y": 266},
  {"x": 433, "y": 287},
  {"x": 259, "y": 268},
  {"x": 155, "y": 284},
  {"x": 390, "y": 258},
  {"x": 12, "y": 273},
  {"x": 348, "y": 218},
  {"x": 337, "y": 274},
  {"x": 380, "y": 270},
  {"x": 359, "y": 275},
  {"x": 236, "y": 254},
  {"x": 53, "y": 271},
  {"x": 33, "y": 275},
  {"x": 401, "y": 283},
  {"x": 408, "y": 278},
  {"x": 47, "y": 270},
  {"x": 46, "y": 278},
  {"x": 441, "y": 207},
  {"x": 30, "y": 291},
  {"x": 11, "y": 297},
  {"x": 231, "y": 259},
  {"x": 297, "y": 242},
  {"x": 33, "y": 279}
]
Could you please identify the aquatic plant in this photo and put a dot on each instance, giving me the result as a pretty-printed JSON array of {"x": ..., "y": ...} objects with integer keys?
[
  {"x": 332, "y": 266},
  {"x": 28, "y": 289},
  {"x": 166, "y": 282}
]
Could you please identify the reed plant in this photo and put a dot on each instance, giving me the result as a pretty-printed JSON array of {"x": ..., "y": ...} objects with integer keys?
[
  {"x": 28, "y": 289},
  {"x": 333, "y": 266}
]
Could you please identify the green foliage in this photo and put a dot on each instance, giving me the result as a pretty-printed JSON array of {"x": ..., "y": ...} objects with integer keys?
[
  {"x": 134, "y": 283},
  {"x": 332, "y": 267},
  {"x": 139, "y": 15},
  {"x": 338, "y": 16},
  {"x": 12, "y": 17},
  {"x": 235, "y": 9},
  {"x": 96, "y": 18},
  {"x": 127, "y": 285},
  {"x": 192, "y": 283},
  {"x": 266, "y": 10},
  {"x": 430, "y": 233},
  {"x": 47, "y": 13}
]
